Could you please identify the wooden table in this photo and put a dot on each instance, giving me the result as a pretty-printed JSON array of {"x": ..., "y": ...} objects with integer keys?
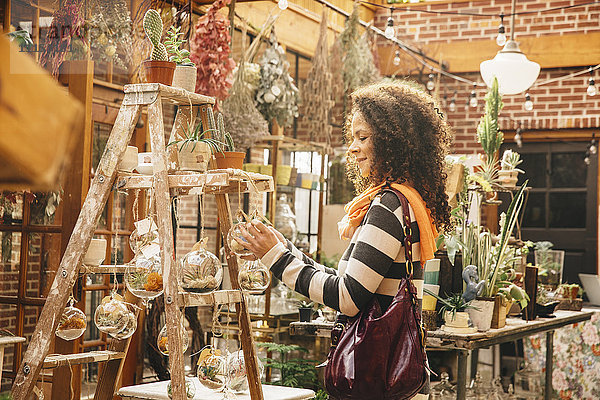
[
  {"x": 158, "y": 391},
  {"x": 7, "y": 341},
  {"x": 515, "y": 328}
]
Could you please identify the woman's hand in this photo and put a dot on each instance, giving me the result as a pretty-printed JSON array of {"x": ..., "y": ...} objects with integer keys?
[{"x": 259, "y": 238}]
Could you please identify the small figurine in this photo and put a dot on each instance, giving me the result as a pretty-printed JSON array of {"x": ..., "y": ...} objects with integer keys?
[{"x": 474, "y": 285}]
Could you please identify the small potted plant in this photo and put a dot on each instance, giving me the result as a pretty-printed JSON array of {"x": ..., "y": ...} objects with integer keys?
[
  {"x": 228, "y": 157},
  {"x": 185, "y": 71},
  {"x": 454, "y": 312},
  {"x": 509, "y": 173},
  {"x": 195, "y": 148},
  {"x": 569, "y": 291},
  {"x": 305, "y": 311},
  {"x": 158, "y": 69}
]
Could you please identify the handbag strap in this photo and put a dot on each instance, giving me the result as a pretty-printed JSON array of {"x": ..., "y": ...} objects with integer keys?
[{"x": 407, "y": 231}]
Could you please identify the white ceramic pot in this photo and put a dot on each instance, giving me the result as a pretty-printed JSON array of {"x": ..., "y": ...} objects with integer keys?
[
  {"x": 458, "y": 320},
  {"x": 482, "y": 315},
  {"x": 144, "y": 165},
  {"x": 195, "y": 157},
  {"x": 96, "y": 253},
  {"x": 130, "y": 159},
  {"x": 185, "y": 77}
]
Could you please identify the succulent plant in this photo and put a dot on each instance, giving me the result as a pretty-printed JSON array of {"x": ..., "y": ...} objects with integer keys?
[
  {"x": 153, "y": 27},
  {"x": 224, "y": 136}
]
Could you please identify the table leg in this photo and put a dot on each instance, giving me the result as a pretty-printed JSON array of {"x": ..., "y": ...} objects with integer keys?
[
  {"x": 461, "y": 379},
  {"x": 549, "y": 364}
]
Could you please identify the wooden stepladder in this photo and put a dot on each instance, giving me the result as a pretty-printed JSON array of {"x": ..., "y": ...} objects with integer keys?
[{"x": 217, "y": 182}]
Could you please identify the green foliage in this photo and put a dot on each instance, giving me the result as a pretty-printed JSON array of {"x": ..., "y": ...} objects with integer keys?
[
  {"x": 173, "y": 44},
  {"x": 22, "y": 38},
  {"x": 487, "y": 132},
  {"x": 153, "y": 27},
  {"x": 453, "y": 303},
  {"x": 510, "y": 161},
  {"x": 224, "y": 136},
  {"x": 5, "y": 396},
  {"x": 295, "y": 372},
  {"x": 193, "y": 135}
]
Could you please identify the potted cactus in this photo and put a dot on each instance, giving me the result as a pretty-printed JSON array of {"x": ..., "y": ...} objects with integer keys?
[
  {"x": 158, "y": 69},
  {"x": 185, "y": 71},
  {"x": 509, "y": 173},
  {"x": 228, "y": 158}
]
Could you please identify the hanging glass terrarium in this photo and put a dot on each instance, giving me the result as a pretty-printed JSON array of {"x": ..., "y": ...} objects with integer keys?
[
  {"x": 236, "y": 247},
  {"x": 72, "y": 322},
  {"x": 190, "y": 389},
  {"x": 143, "y": 277},
  {"x": 285, "y": 220},
  {"x": 211, "y": 368},
  {"x": 237, "y": 379},
  {"x": 201, "y": 270},
  {"x": 254, "y": 277},
  {"x": 162, "y": 342},
  {"x": 144, "y": 238},
  {"x": 115, "y": 317}
]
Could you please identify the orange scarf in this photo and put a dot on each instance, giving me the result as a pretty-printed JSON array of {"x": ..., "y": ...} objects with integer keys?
[{"x": 358, "y": 207}]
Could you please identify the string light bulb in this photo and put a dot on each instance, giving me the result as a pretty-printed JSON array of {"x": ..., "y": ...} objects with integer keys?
[
  {"x": 282, "y": 4},
  {"x": 586, "y": 159},
  {"x": 528, "y": 102},
  {"x": 518, "y": 137},
  {"x": 501, "y": 38},
  {"x": 593, "y": 149},
  {"x": 452, "y": 106},
  {"x": 397, "y": 58},
  {"x": 591, "y": 89},
  {"x": 473, "y": 99},
  {"x": 389, "y": 30},
  {"x": 430, "y": 83}
]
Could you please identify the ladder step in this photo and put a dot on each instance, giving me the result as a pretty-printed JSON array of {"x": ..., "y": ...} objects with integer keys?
[
  {"x": 174, "y": 95},
  {"x": 105, "y": 269},
  {"x": 188, "y": 299},
  {"x": 218, "y": 181},
  {"x": 60, "y": 360}
]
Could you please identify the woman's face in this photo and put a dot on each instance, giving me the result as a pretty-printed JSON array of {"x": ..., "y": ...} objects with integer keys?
[{"x": 362, "y": 146}]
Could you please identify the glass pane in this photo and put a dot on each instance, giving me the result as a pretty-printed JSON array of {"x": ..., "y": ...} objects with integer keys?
[
  {"x": 46, "y": 208},
  {"x": 43, "y": 261},
  {"x": 186, "y": 237},
  {"x": 8, "y": 313},
  {"x": 101, "y": 133},
  {"x": 11, "y": 208},
  {"x": 534, "y": 165},
  {"x": 30, "y": 320},
  {"x": 123, "y": 249},
  {"x": 568, "y": 170},
  {"x": 10, "y": 256},
  {"x": 93, "y": 300},
  {"x": 567, "y": 210},
  {"x": 535, "y": 211}
]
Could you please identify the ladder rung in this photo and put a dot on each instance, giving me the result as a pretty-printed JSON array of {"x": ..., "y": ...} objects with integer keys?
[
  {"x": 147, "y": 92},
  {"x": 59, "y": 360},
  {"x": 188, "y": 299},
  {"x": 104, "y": 269}
]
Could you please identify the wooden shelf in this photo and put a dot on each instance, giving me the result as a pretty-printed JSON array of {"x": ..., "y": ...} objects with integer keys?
[
  {"x": 218, "y": 181},
  {"x": 289, "y": 144},
  {"x": 188, "y": 299},
  {"x": 105, "y": 269},
  {"x": 59, "y": 360},
  {"x": 146, "y": 93}
]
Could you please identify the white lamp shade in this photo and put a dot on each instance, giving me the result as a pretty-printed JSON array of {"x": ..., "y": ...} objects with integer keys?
[{"x": 514, "y": 71}]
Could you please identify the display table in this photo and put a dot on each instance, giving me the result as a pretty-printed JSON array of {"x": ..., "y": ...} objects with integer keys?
[
  {"x": 515, "y": 328},
  {"x": 7, "y": 341},
  {"x": 158, "y": 391}
]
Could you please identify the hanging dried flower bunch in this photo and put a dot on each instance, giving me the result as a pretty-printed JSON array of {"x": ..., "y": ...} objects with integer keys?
[
  {"x": 359, "y": 68},
  {"x": 65, "y": 37},
  {"x": 277, "y": 96},
  {"x": 110, "y": 29},
  {"x": 317, "y": 90},
  {"x": 210, "y": 50}
]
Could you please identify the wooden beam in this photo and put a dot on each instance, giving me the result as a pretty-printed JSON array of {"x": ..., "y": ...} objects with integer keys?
[{"x": 550, "y": 51}]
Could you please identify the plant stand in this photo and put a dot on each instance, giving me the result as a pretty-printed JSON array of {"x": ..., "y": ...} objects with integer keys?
[{"x": 217, "y": 182}]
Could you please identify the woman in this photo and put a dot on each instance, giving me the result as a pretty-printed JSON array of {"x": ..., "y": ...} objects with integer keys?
[{"x": 399, "y": 139}]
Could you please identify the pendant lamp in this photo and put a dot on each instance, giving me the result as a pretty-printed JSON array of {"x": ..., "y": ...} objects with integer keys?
[{"x": 515, "y": 73}]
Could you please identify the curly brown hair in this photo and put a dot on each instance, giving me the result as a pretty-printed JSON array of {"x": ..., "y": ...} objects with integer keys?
[{"x": 410, "y": 140}]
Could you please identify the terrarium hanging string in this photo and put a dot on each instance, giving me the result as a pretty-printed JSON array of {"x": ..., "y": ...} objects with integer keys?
[{"x": 114, "y": 244}]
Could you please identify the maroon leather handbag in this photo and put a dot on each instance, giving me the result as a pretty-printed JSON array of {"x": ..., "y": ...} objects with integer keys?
[{"x": 381, "y": 356}]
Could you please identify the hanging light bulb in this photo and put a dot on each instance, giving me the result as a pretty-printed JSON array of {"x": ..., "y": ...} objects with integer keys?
[
  {"x": 452, "y": 106},
  {"x": 501, "y": 38},
  {"x": 593, "y": 148},
  {"x": 528, "y": 102},
  {"x": 282, "y": 4},
  {"x": 430, "y": 83},
  {"x": 586, "y": 159},
  {"x": 473, "y": 99},
  {"x": 397, "y": 58},
  {"x": 389, "y": 30},
  {"x": 591, "y": 90},
  {"x": 518, "y": 137}
]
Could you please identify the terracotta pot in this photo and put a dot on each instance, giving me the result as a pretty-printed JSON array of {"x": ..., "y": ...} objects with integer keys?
[
  {"x": 159, "y": 71},
  {"x": 230, "y": 159},
  {"x": 185, "y": 77}
]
